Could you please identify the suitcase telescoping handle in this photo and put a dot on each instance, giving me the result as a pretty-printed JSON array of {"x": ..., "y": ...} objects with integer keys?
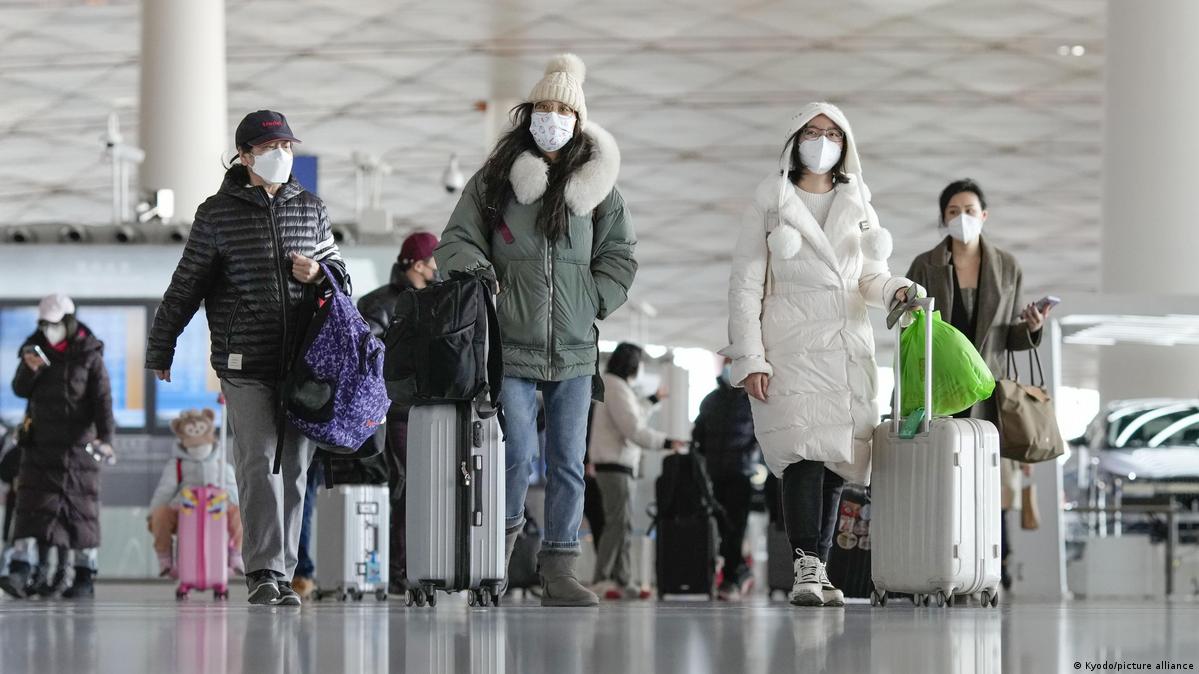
[{"x": 926, "y": 304}]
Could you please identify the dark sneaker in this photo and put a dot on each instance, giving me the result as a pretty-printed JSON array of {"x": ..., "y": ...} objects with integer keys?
[
  {"x": 287, "y": 595},
  {"x": 264, "y": 589},
  {"x": 83, "y": 587}
]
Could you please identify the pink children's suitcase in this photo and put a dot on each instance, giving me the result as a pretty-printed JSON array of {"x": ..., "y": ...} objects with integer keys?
[{"x": 202, "y": 539}]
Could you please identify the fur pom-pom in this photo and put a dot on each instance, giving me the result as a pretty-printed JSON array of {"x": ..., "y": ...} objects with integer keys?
[
  {"x": 877, "y": 244},
  {"x": 785, "y": 242},
  {"x": 567, "y": 63}
]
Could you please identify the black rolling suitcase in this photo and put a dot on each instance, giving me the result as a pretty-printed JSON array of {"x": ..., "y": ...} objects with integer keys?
[
  {"x": 685, "y": 520},
  {"x": 849, "y": 560}
]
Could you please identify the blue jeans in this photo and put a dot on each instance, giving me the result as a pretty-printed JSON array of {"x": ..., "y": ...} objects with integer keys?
[
  {"x": 567, "y": 404},
  {"x": 306, "y": 568}
]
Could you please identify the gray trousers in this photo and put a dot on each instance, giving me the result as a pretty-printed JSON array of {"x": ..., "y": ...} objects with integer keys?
[
  {"x": 272, "y": 506},
  {"x": 614, "y": 559}
]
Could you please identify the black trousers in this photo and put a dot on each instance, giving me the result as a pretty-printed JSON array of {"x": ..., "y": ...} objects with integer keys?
[
  {"x": 811, "y": 497},
  {"x": 733, "y": 493}
]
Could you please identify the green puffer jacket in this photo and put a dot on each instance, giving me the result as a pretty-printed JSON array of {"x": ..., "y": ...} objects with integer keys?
[{"x": 548, "y": 328}]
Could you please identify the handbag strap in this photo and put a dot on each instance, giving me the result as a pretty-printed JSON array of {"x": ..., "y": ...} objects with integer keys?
[{"x": 1034, "y": 355}]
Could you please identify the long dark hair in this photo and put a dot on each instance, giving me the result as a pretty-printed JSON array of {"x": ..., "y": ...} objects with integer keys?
[
  {"x": 625, "y": 360},
  {"x": 551, "y": 219},
  {"x": 796, "y": 167}
]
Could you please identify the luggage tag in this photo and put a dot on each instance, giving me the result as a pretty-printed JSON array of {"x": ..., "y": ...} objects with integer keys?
[{"x": 911, "y": 425}]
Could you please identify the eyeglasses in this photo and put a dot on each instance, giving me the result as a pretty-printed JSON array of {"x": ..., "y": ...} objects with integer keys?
[{"x": 812, "y": 133}]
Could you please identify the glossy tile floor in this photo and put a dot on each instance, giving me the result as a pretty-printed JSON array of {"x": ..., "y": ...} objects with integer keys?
[{"x": 133, "y": 629}]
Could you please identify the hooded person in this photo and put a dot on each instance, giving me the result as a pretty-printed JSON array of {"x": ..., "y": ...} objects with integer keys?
[
  {"x": 544, "y": 219},
  {"x": 810, "y": 259},
  {"x": 62, "y": 374},
  {"x": 196, "y": 463}
]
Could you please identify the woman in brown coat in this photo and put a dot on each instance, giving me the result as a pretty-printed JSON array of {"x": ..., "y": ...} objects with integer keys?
[{"x": 977, "y": 290}]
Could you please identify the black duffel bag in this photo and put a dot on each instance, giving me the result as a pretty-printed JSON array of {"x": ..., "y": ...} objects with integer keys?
[{"x": 443, "y": 345}]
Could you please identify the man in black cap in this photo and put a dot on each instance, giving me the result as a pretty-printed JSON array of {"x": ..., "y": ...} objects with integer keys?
[{"x": 254, "y": 257}]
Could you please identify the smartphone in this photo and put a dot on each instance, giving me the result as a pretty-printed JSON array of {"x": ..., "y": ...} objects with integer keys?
[
  {"x": 37, "y": 351},
  {"x": 1047, "y": 302}
]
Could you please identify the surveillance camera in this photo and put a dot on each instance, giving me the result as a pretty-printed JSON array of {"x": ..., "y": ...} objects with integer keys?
[{"x": 452, "y": 178}]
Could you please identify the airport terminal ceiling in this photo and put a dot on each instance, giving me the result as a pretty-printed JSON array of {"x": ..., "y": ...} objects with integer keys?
[{"x": 697, "y": 93}]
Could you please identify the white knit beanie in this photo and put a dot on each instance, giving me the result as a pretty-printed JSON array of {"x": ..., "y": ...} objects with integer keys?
[{"x": 563, "y": 82}]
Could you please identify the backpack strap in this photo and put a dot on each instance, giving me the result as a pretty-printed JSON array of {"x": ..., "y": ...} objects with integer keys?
[
  {"x": 179, "y": 471},
  {"x": 495, "y": 350}
]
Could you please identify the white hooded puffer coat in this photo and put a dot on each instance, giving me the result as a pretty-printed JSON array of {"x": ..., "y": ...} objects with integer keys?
[{"x": 807, "y": 329}]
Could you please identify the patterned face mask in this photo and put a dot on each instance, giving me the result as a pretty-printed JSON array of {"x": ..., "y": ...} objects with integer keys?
[{"x": 552, "y": 131}]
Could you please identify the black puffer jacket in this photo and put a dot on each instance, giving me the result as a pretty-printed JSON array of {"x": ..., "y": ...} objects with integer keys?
[
  {"x": 70, "y": 402},
  {"x": 378, "y": 306},
  {"x": 237, "y": 262},
  {"x": 724, "y": 432}
]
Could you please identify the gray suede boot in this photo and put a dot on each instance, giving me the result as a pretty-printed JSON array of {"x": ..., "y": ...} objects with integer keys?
[{"x": 559, "y": 585}]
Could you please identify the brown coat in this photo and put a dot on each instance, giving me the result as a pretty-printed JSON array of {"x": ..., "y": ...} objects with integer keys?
[{"x": 999, "y": 325}]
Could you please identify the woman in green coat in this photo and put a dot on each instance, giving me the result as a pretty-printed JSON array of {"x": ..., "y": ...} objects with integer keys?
[{"x": 543, "y": 217}]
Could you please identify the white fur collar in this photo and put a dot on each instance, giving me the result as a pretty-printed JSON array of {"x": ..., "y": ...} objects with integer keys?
[{"x": 589, "y": 185}]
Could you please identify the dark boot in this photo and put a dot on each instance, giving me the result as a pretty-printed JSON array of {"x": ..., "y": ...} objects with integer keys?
[
  {"x": 82, "y": 588},
  {"x": 559, "y": 585},
  {"x": 16, "y": 583}
]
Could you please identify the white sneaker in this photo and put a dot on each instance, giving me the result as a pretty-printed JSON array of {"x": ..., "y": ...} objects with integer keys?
[
  {"x": 808, "y": 589},
  {"x": 832, "y": 596}
]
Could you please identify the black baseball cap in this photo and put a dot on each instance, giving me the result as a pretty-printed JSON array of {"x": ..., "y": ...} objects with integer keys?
[{"x": 261, "y": 127}]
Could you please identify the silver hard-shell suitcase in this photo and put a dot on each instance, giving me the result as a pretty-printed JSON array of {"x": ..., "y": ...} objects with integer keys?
[
  {"x": 352, "y": 541},
  {"x": 935, "y": 504},
  {"x": 455, "y": 503}
]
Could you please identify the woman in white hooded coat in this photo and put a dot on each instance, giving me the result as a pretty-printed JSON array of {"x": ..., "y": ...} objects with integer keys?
[{"x": 811, "y": 256}]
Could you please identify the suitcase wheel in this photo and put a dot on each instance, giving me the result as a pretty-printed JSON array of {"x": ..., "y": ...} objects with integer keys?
[
  {"x": 410, "y": 597},
  {"x": 990, "y": 598},
  {"x": 380, "y": 595},
  {"x": 180, "y": 594},
  {"x": 220, "y": 594},
  {"x": 878, "y": 598},
  {"x": 942, "y": 599},
  {"x": 431, "y": 596}
]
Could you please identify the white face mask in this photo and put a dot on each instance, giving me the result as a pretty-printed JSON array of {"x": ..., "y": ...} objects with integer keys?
[
  {"x": 274, "y": 166},
  {"x": 552, "y": 131},
  {"x": 200, "y": 452},
  {"x": 819, "y": 155},
  {"x": 55, "y": 333},
  {"x": 965, "y": 228}
]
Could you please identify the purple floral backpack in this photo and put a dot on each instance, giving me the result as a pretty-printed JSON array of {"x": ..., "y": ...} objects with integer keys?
[{"x": 335, "y": 393}]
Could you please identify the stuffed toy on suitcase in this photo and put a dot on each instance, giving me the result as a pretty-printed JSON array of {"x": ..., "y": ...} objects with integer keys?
[{"x": 196, "y": 502}]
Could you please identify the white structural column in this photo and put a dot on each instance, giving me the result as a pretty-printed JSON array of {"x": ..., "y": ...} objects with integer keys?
[
  {"x": 1151, "y": 166},
  {"x": 184, "y": 115}
]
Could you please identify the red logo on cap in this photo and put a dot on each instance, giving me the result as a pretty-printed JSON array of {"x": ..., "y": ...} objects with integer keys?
[{"x": 271, "y": 124}]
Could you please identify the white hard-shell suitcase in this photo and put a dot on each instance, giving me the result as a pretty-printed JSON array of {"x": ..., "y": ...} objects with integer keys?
[
  {"x": 352, "y": 541},
  {"x": 455, "y": 503},
  {"x": 935, "y": 505}
]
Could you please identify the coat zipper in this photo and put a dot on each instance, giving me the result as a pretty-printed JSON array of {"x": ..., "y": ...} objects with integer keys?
[
  {"x": 549, "y": 279},
  {"x": 277, "y": 245}
]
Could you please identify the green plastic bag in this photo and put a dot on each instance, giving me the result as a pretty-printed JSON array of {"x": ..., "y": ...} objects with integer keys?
[{"x": 961, "y": 377}]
